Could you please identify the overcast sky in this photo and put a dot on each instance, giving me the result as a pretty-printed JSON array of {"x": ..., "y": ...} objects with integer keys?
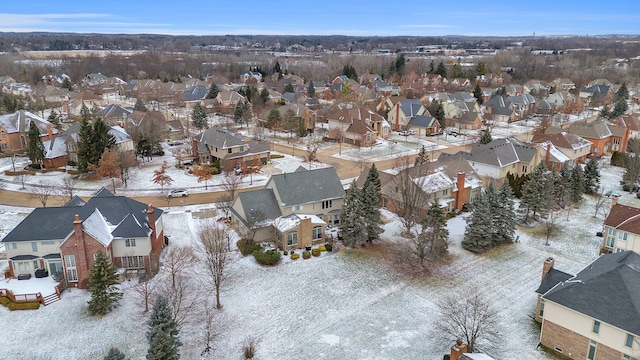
[{"x": 325, "y": 17}]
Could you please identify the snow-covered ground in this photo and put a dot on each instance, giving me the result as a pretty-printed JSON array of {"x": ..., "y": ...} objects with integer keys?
[{"x": 341, "y": 305}]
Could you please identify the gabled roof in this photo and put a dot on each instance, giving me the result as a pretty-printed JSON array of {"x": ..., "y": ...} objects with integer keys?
[
  {"x": 563, "y": 140},
  {"x": 607, "y": 290},
  {"x": 20, "y": 121},
  {"x": 113, "y": 111},
  {"x": 195, "y": 93},
  {"x": 597, "y": 129},
  {"x": 423, "y": 121},
  {"x": 304, "y": 186},
  {"x": 410, "y": 107},
  {"x": 220, "y": 138},
  {"x": 259, "y": 204},
  {"x": 625, "y": 218},
  {"x": 55, "y": 223},
  {"x": 96, "y": 226},
  {"x": 462, "y": 96},
  {"x": 502, "y": 152}
]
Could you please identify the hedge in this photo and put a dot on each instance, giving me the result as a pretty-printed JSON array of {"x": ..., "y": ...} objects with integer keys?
[
  {"x": 23, "y": 306},
  {"x": 276, "y": 156},
  {"x": 328, "y": 247},
  {"x": 18, "y": 173},
  {"x": 269, "y": 257},
  {"x": 247, "y": 249}
]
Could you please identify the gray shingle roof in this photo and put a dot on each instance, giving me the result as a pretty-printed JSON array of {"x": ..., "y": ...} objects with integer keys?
[
  {"x": 422, "y": 121},
  {"x": 220, "y": 138},
  {"x": 304, "y": 186},
  {"x": 195, "y": 93},
  {"x": 261, "y": 204},
  {"x": 410, "y": 107},
  {"x": 54, "y": 223},
  {"x": 502, "y": 152},
  {"x": 553, "y": 278},
  {"x": 608, "y": 290}
]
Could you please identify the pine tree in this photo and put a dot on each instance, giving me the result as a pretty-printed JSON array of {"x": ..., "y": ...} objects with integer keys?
[
  {"x": 562, "y": 186},
  {"x": 84, "y": 145},
  {"x": 619, "y": 109},
  {"x": 140, "y": 106},
  {"x": 536, "y": 195},
  {"x": 486, "y": 136},
  {"x": 591, "y": 177},
  {"x": 66, "y": 84},
  {"x": 274, "y": 120},
  {"x": 276, "y": 68},
  {"x": 264, "y": 96},
  {"x": 371, "y": 209},
  {"x": 479, "y": 230},
  {"x": 622, "y": 93},
  {"x": 54, "y": 118},
  {"x": 353, "y": 222},
  {"x": 102, "y": 281},
  {"x": 505, "y": 224},
  {"x": 478, "y": 94},
  {"x": 85, "y": 113},
  {"x": 162, "y": 333},
  {"x": 101, "y": 140},
  {"x": 577, "y": 184},
  {"x": 289, "y": 88},
  {"x": 35, "y": 149},
  {"x": 199, "y": 117},
  {"x": 441, "y": 70},
  {"x": 311, "y": 90},
  {"x": 422, "y": 157},
  {"x": 213, "y": 91},
  {"x": 115, "y": 354},
  {"x": 434, "y": 227}
]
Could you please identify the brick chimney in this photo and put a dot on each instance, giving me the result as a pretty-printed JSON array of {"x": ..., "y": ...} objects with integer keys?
[
  {"x": 547, "y": 157},
  {"x": 151, "y": 218},
  {"x": 461, "y": 194},
  {"x": 82, "y": 267},
  {"x": 546, "y": 266},
  {"x": 397, "y": 116},
  {"x": 458, "y": 349},
  {"x": 49, "y": 132},
  {"x": 614, "y": 201}
]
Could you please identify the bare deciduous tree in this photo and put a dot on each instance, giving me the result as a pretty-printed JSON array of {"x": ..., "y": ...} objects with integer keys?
[
  {"x": 22, "y": 178},
  {"x": 600, "y": 202},
  {"x": 409, "y": 195},
  {"x": 183, "y": 298},
  {"x": 144, "y": 291},
  {"x": 230, "y": 182},
  {"x": 468, "y": 316},
  {"x": 67, "y": 188},
  {"x": 214, "y": 246},
  {"x": 550, "y": 226},
  {"x": 42, "y": 192},
  {"x": 176, "y": 260},
  {"x": 214, "y": 324}
]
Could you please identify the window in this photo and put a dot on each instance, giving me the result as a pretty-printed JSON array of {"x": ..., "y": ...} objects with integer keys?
[
  {"x": 46, "y": 243},
  {"x": 130, "y": 242},
  {"x": 70, "y": 264},
  {"x": 596, "y": 326},
  {"x": 297, "y": 208},
  {"x": 133, "y": 262},
  {"x": 445, "y": 192},
  {"x": 34, "y": 246},
  {"x": 591, "y": 355},
  {"x": 524, "y": 168},
  {"x": 23, "y": 267},
  {"x": 622, "y": 235},
  {"x": 4, "y": 134},
  {"x": 241, "y": 148},
  {"x": 629, "y": 341},
  {"x": 327, "y": 204},
  {"x": 13, "y": 246},
  {"x": 611, "y": 237},
  {"x": 317, "y": 232},
  {"x": 541, "y": 313},
  {"x": 626, "y": 357},
  {"x": 229, "y": 150},
  {"x": 71, "y": 147},
  {"x": 292, "y": 238},
  {"x": 594, "y": 149}
]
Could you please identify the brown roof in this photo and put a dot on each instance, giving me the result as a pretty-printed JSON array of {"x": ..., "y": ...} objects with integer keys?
[
  {"x": 563, "y": 140},
  {"x": 625, "y": 218}
]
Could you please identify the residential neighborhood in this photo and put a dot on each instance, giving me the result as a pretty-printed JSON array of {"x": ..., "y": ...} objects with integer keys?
[{"x": 315, "y": 203}]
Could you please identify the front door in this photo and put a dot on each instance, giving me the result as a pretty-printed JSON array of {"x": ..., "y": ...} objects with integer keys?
[{"x": 55, "y": 267}]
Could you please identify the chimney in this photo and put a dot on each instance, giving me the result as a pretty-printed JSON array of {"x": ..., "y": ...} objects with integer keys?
[
  {"x": 458, "y": 349},
  {"x": 614, "y": 201},
  {"x": 397, "y": 116},
  {"x": 547, "y": 156},
  {"x": 546, "y": 266},
  {"x": 461, "y": 193},
  {"x": 151, "y": 218},
  {"x": 49, "y": 132}
]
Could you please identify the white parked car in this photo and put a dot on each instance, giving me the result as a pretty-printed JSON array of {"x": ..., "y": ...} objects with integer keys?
[{"x": 178, "y": 193}]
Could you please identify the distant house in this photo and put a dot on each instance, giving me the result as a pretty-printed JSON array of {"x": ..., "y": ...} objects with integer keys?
[
  {"x": 425, "y": 125},
  {"x": 500, "y": 157},
  {"x": 574, "y": 147},
  {"x": 632, "y": 122},
  {"x": 293, "y": 209},
  {"x": 115, "y": 114},
  {"x": 14, "y": 130},
  {"x": 621, "y": 229},
  {"x": 603, "y": 92},
  {"x": 606, "y": 137},
  {"x": 401, "y": 112},
  {"x": 64, "y": 240},
  {"x": 357, "y": 126},
  {"x": 230, "y": 149},
  {"x": 55, "y": 79},
  {"x": 594, "y": 314},
  {"x": 194, "y": 95},
  {"x": 245, "y": 76}
]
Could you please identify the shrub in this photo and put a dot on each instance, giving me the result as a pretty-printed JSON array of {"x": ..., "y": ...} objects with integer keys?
[
  {"x": 285, "y": 253},
  {"x": 276, "y": 156},
  {"x": 295, "y": 256},
  {"x": 23, "y": 306},
  {"x": 315, "y": 252},
  {"x": 269, "y": 257},
  {"x": 35, "y": 166},
  {"x": 247, "y": 248},
  {"x": 4, "y": 300},
  {"x": 322, "y": 248},
  {"x": 306, "y": 255},
  {"x": 329, "y": 247}
]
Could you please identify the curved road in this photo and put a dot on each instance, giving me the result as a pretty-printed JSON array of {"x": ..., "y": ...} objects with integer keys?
[{"x": 345, "y": 168}]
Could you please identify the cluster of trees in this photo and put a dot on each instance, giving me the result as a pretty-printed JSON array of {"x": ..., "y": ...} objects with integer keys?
[
  {"x": 620, "y": 106},
  {"x": 492, "y": 221},
  {"x": 94, "y": 139},
  {"x": 360, "y": 217}
]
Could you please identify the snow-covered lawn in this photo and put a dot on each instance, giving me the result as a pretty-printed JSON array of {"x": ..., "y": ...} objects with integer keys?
[{"x": 341, "y": 305}]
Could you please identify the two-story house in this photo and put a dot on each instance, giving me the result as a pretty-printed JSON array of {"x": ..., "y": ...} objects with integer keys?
[
  {"x": 357, "y": 126},
  {"x": 605, "y": 137},
  {"x": 14, "y": 130},
  {"x": 293, "y": 209},
  {"x": 230, "y": 149},
  {"x": 596, "y": 313},
  {"x": 63, "y": 240},
  {"x": 575, "y": 148},
  {"x": 403, "y": 111},
  {"x": 621, "y": 229}
]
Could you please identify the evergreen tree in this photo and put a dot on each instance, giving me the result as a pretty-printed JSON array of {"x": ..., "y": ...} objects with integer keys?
[
  {"x": 371, "y": 209},
  {"x": 505, "y": 223},
  {"x": 536, "y": 195},
  {"x": 311, "y": 90},
  {"x": 289, "y": 88},
  {"x": 66, "y": 84},
  {"x": 422, "y": 157},
  {"x": 432, "y": 69},
  {"x": 618, "y": 109},
  {"x": 101, "y": 140},
  {"x": 276, "y": 68},
  {"x": 84, "y": 144},
  {"x": 457, "y": 72},
  {"x": 115, "y": 354},
  {"x": 199, "y": 117},
  {"x": 264, "y": 96},
  {"x": 441, "y": 70},
  {"x": 486, "y": 136},
  {"x": 516, "y": 182},
  {"x": 478, "y": 94},
  {"x": 213, "y": 91},
  {"x": 238, "y": 112},
  {"x": 353, "y": 222},
  {"x": 274, "y": 120},
  {"x": 437, "y": 111},
  {"x": 85, "y": 113},
  {"x": 561, "y": 186},
  {"x": 162, "y": 333},
  {"x": 35, "y": 149},
  {"x": 479, "y": 230},
  {"x": 622, "y": 93},
  {"x": 140, "y": 106},
  {"x": 591, "y": 177},
  {"x": 102, "y": 281},
  {"x": 54, "y": 118},
  {"x": 577, "y": 184},
  {"x": 374, "y": 178},
  {"x": 434, "y": 227}
]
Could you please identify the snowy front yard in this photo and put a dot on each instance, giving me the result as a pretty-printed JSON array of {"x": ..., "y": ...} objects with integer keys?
[{"x": 344, "y": 305}]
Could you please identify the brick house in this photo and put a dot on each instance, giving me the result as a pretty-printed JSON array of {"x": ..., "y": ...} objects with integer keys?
[
  {"x": 621, "y": 229},
  {"x": 594, "y": 314},
  {"x": 357, "y": 126},
  {"x": 403, "y": 111},
  {"x": 606, "y": 137},
  {"x": 574, "y": 147},
  {"x": 14, "y": 130},
  {"x": 293, "y": 209},
  {"x": 63, "y": 240},
  {"x": 231, "y": 149}
]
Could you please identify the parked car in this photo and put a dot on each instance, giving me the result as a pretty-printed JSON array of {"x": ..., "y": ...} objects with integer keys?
[
  {"x": 178, "y": 193},
  {"x": 611, "y": 193}
]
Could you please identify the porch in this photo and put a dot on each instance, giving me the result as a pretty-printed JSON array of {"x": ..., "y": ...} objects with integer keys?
[{"x": 44, "y": 290}]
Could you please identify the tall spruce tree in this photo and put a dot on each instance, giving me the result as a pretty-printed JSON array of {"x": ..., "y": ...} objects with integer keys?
[
  {"x": 311, "y": 90},
  {"x": 35, "y": 149},
  {"x": 505, "y": 224},
  {"x": 486, "y": 136},
  {"x": 353, "y": 223},
  {"x": 434, "y": 227},
  {"x": 479, "y": 230},
  {"x": 562, "y": 185},
  {"x": 84, "y": 144},
  {"x": 591, "y": 177},
  {"x": 213, "y": 91},
  {"x": 371, "y": 207},
  {"x": 477, "y": 93},
  {"x": 140, "y": 106},
  {"x": 162, "y": 333},
  {"x": 199, "y": 117},
  {"x": 536, "y": 195},
  {"x": 422, "y": 157},
  {"x": 577, "y": 184},
  {"x": 102, "y": 285},
  {"x": 101, "y": 140}
]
